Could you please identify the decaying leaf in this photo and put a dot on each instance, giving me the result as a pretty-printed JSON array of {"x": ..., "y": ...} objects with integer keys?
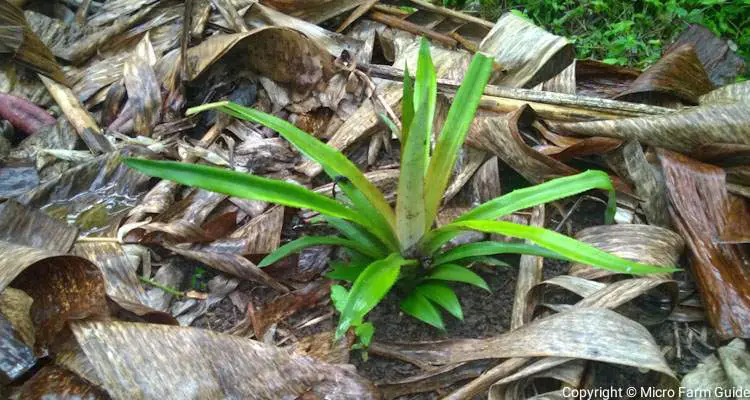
[
  {"x": 55, "y": 382},
  {"x": 32, "y": 228},
  {"x": 287, "y": 305},
  {"x": 701, "y": 209},
  {"x": 721, "y": 64},
  {"x": 527, "y": 54},
  {"x": 159, "y": 360}
]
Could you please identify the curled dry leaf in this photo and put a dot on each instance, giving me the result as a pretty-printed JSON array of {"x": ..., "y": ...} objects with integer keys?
[
  {"x": 679, "y": 75},
  {"x": 595, "y": 78},
  {"x": 160, "y": 359},
  {"x": 701, "y": 210},
  {"x": 681, "y": 131},
  {"x": 736, "y": 92},
  {"x": 724, "y": 372},
  {"x": 647, "y": 244},
  {"x": 588, "y": 333},
  {"x": 434, "y": 379},
  {"x": 527, "y": 54},
  {"x": 63, "y": 287},
  {"x": 143, "y": 89},
  {"x": 716, "y": 55}
]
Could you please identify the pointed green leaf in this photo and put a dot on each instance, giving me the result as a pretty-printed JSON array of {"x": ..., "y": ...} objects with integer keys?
[
  {"x": 310, "y": 241},
  {"x": 369, "y": 288},
  {"x": 365, "y": 332},
  {"x": 243, "y": 185},
  {"x": 358, "y": 234},
  {"x": 407, "y": 106},
  {"x": 486, "y": 260},
  {"x": 410, "y": 200},
  {"x": 561, "y": 244},
  {"x": 376, "y": 223},
  {"x": 457, "y": 124},
  {"x": 391, "y": 125},
  {"x": 333, "y": 161},
  {"x": 339, "y": 294},
  {"x": 443, "y": 296},
  {"x": 345, "y": 271},
  {"x": 520, "y": 199},
  {"x": 420, "y": 308},
  {"x": 457, "y": 273},
  {"x": 491, "y": 248}
]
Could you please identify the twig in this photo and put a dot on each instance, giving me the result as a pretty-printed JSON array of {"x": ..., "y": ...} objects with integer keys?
[
  {"x": 358, "y": 12},
  {"x": 411, "y": 27},
  {"x": 158, "y": 285},
  {"x": 98, "y": 240},
  {"x": 452, "y": 13}
]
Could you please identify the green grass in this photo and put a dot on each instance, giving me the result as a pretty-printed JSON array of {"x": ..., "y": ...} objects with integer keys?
[{"x": 630, "y": 33}]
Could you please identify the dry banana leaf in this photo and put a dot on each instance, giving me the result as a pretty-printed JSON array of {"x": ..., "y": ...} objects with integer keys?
[
  {"x": 682, "y": 131},
  {"x": 231, "y": 264},
  {"x": 718, "y": 59},
  {"x": 19, "y": 40},
  {"x": 182, "y": 222},
  {"x": 281, "y": 54},
  {"x": 485, "y": 184},
  {"x": 701, "y": 210},
  {"x": 53, "y": 382},
  {"x": 324, "y": 347},
  {"x": 588, "y": 333},
  {"x": 568, "y": 374},
  {"x": 17, "y": 340},
  {"x": 723, "y": 373},
  {"x": 287, "y": 305},
  {"x": 260, "y": 235},
  {"x": 736, "y": 92},
  {"x": 63, "y": 287},
  {"x": 527, "y": 54},
  {"x": 564, "y": 82},
  {"x": 629, "y": 162},
  {"x": 500, "y": 135},
  {"x": 594, "y": 78},
  {"x": 434, "y": 379},
  {"x": 677, "y": 75},
  {"x": 33, "y": 228},
  {"x": 647, "y": 244},
  {"x": 143, "y": 89},
  {"x": 16, "y": 180},
  {"x": 160, "y": 359},
  {"x": 315, "y": 11},
  {"x": 530, "y": 271}
]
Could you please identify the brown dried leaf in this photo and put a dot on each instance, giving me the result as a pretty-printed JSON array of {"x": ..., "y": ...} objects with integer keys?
[
  {"x": 643, "y": 243},
  {"x": 160, "y": 359},
  {"x": 718, "y": 59},
  {"x": 288, "y": 304},
  {"x": 232, "y": 264},
  {"x": 682, "y": 131},
  {"x": 17, "y": 335},
  {"x": 144, "y": 90},
  {"x": 324, "y": 347},
  {"x": 32, "y": 228},
  {"x": 588, "y": 333},
  {"x": 53, "y": 382},
  {"x": 63, "y": 287},
  {"x": 527, "y": 54},
  {"x": 594, "y": 78},
  {"x": 701, "y": 209},
  {"x": 677, "y": 75},
  {"x": 736, "y": 92}
]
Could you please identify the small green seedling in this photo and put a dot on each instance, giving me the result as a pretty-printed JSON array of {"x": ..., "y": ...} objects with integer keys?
[{"x": 403, "y": 247}]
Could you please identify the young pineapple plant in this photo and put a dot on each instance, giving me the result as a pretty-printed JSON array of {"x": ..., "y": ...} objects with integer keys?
[{"x": 388, "y": 247}]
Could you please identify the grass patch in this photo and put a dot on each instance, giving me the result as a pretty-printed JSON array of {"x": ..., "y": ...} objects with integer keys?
[{"x": 630, "y": 33}]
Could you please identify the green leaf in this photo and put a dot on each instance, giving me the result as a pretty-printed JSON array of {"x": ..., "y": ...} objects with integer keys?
[
  {"x": 345, "y": 271},
  {"x": 443, "y": 296},
  {"x": 376, "y": 224},
  {"x": 491, "y": 248},
  {"x": 457, "y": 124},
  {"x": 243, "y": 185},
  {"x": 310, "y": 241},
  {"x": 358, "y": 234},
  {"x": 365, "y": 332},
  {"x": 390, "y": 124},
  {"x": 339, "y": 295},
  {"x": 486, "y": 260},
  {"x": 369, "y": 288},
  {"x": 420, "y": 308},
  {"x": 333, "y": 161},
  {"x": 407, "y": 106},
  {"x": 410, "y": 211},
  {"x": 520, "y": 199},
  {"x": 561, "y": 244},
  {"x": 457, "y": 273}
]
